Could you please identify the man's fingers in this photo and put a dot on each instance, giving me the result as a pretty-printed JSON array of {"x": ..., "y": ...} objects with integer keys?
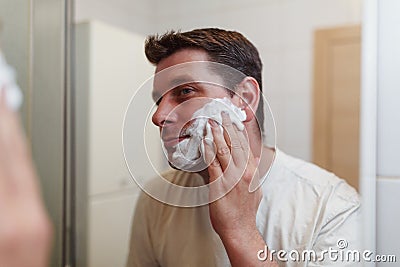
[
  {"x": 232, "y": 140},
  {"x": 214, "y": 167},
  {"x": 244, "y": 142},
  {"x": 223, "y": 152}
]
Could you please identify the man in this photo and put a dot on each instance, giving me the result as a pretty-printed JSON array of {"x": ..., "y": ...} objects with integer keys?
[{"x": 299, "y": 207}]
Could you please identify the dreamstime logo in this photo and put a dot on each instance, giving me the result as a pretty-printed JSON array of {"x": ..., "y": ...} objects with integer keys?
[
  {"x": 332, "y": 254},
  {"x": 137, "y": 122},
  {"x": 342, "y": 244}
]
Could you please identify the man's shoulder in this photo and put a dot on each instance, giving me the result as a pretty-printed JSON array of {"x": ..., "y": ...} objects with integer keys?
[
  {"x": 308, "y": 175},
  {"x": 300, "y": 200}
]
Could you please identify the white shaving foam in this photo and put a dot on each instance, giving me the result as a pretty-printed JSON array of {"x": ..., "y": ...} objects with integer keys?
[{"x": 189, "y": 152}]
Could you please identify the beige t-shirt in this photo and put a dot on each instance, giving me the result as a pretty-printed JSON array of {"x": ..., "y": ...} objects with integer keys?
[{"x": 303, "y": 208}]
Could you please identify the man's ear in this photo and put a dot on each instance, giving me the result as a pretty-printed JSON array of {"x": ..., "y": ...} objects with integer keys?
[{"x": 248, "y": 94}]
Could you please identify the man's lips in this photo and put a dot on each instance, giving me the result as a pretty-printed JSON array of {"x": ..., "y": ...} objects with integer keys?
[{"x": 171, "y": 142}]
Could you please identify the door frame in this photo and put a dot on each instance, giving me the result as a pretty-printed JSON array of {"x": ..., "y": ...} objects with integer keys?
[
  {"x": 49, "y": 121},
  {"x": 325, "y": 40}
]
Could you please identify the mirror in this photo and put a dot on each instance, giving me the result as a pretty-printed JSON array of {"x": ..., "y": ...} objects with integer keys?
[
  {"x": 110, "y": 66},
  {"x": 75, "y": 132}
]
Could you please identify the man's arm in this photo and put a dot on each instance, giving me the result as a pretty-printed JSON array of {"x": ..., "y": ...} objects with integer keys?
[
  {"x": 233, "y": 216},
  {"x": 25, "y": 228}
]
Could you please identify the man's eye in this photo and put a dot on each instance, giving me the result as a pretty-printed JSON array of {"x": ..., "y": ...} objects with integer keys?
[{"x": 185, "y": 91}]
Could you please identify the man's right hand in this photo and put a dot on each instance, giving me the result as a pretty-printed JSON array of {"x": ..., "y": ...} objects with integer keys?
[{"x": 25, "y": 229}]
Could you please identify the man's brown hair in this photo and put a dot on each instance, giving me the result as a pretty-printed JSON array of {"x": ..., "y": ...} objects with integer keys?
[{"x": 230, "y": 48}]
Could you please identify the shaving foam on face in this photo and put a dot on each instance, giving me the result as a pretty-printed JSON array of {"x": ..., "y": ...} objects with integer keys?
[
  {"x": 7, "y": 82},
  {"x": 188, "y": 153}
]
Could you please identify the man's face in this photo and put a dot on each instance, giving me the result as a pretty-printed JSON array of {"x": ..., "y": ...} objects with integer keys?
[{"x": 180, "y": 91}]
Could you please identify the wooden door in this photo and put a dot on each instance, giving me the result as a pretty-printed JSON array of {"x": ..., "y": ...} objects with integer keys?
[{"x": 337, "y": 58}]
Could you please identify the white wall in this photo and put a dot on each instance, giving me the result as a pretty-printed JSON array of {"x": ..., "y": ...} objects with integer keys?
[
  {"x": 132, "y": 15},
  {"x": 388, "y": 139}
]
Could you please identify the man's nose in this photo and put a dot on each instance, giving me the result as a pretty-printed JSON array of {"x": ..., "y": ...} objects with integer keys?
[{"x": 164, "y": 113}]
